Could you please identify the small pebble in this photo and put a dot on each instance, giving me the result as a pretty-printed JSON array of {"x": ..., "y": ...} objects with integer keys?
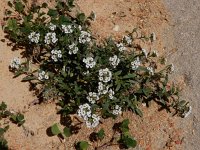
[{"x": 116, "y": 28}]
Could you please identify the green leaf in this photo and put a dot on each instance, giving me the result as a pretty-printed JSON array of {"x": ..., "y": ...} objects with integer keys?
[
  {"x": 3, "y": 106},
  {"x": 10, "y": 4},
  {"x": 70, "y": 3},
  {"x": 139, "y": 112},
  {"x": 55, "y": 129},
  {"x": 12, "y": 24},
  {"x": 14, "y": 118},
  {"x": 124, "y": 126},
  {"x": 118, "y": 73},
  {"x": 28, "y": 78},
  {"x": 101, "y": 134},
  {"x": 92, "y": 16},
  {"x": 81, "y": 17},
  {"x": 147, "y": 91},
  {"x": 63, "y": 19},
  {"x": 19, "y": 7},
  {"x": 20, "y": 117},
  {"x": 118, "y": 87},
  {"x": 129, "y": 142},
  {"x": 83, "y": 145},
  {"x": 1, "y": 131},
  {"x": 182, "y": 103},
  {"x": 44, "y": 5},
  {"x": 52, "y": 13},
  {"x": 67, "y": 132},
  {"x": 128, "y": 76},
  {"x": 18, "y": 73}
]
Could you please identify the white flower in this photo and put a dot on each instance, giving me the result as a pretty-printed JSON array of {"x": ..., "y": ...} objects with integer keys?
[
  {"x": 84, "y": 111},
  {"x": 42, "y": 75},
  {"x": 102, "y": 89},
  {"x": 189, "y": 112},
  {"x": 155, "y": 53},
  {"x": 86, "y": 73},
  {"x": 50, "y": 38},
  {"x": 79, "y": 27},
  {"x": 114, "y": 61},
  {"x": 144, "y": 52},
  {"x": 52, "y": 27},
  {"x": 135, "y": 64},
  {"x": 93, "y": 121},
  {"x": 34, "y": 37},
  {"x": 73, "y": 49},
  {"x": 150, "y": 69},
  {"x": 56, "y": 55},
  {"x": 89, "y": 61},
  {"x": 128, "y": 39},
  {"x": 121, "y": 47},
  {"x": 117, "y": 110},
  {"x": 15, "y": 63},
  {"x": 84, "y": 37},
  {"x": 171, "y": 69},
  {"x": 153, "y": 35},
  {"x": 111, "y": 93},
  {"x": 105, "y": 75},
  {"x": 67, "y": 28},
  {"x": 92, "y": 97}
]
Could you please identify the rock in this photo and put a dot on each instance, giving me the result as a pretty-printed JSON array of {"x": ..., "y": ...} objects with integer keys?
[{"x": 116, "y": 28}]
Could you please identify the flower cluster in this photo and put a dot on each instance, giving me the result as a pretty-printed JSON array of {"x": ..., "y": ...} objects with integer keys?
[
  {"x": 188, "y": 113},
  {"x": 114, "y": 61},
  {"x": 52, "y": 27},
  {"x": 73, "y": 49},
  {"x": 84, "y": 111},
  {"x": 171, "y": 69},
  {"x": 111, "y": 93},
  {"x": 155, "y": 53},
  {"x": 56, "y": 54},
  {"x": 150, "y": 69},
  {"x": 67, "y": 28},
  {"x": 128, "y": 39},
  {"x": 92, "y": 97},
  {"x": 144, "y": 51},
  {"x": 135, "y": 64},
  {"x": 43, "y": 76},
  {"x": 117, "y": 110},
  {"x": 34, "y": 37},
  {"x": 50, "y": 38},
  {"x": 84, "y": 37},
  {"x": 89, "y": 61},
  {"x": 15, "y": 63},
  {"x": 121, "y": 47},
  {"x": 102, "y": 89},
  {"x": 105, "y": 75},
  {"x": 93, "y": 121}
]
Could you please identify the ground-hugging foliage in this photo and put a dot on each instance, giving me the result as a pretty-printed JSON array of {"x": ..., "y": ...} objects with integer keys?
[
  {"x": 63, "y": 61},
  {"x": 16, "y": 118}
]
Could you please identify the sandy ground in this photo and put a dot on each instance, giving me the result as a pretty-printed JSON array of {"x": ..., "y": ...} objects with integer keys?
[{"x": 156, "y": 130}]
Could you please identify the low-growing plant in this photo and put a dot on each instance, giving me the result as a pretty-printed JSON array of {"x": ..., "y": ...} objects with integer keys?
[
  {"x": 125, "y": 139},
  {"x": 18, "y": 119},
  {"x": 3, "y": 141},
  {"x": 82, "y": 145},
  {"x": 4, "y": 125},
  {"x": 63, "y": 61},
  {"x": 55, "y": 130}
]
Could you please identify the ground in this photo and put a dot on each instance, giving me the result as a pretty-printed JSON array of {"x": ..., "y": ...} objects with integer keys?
[{"x": 176, "y": 24}]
